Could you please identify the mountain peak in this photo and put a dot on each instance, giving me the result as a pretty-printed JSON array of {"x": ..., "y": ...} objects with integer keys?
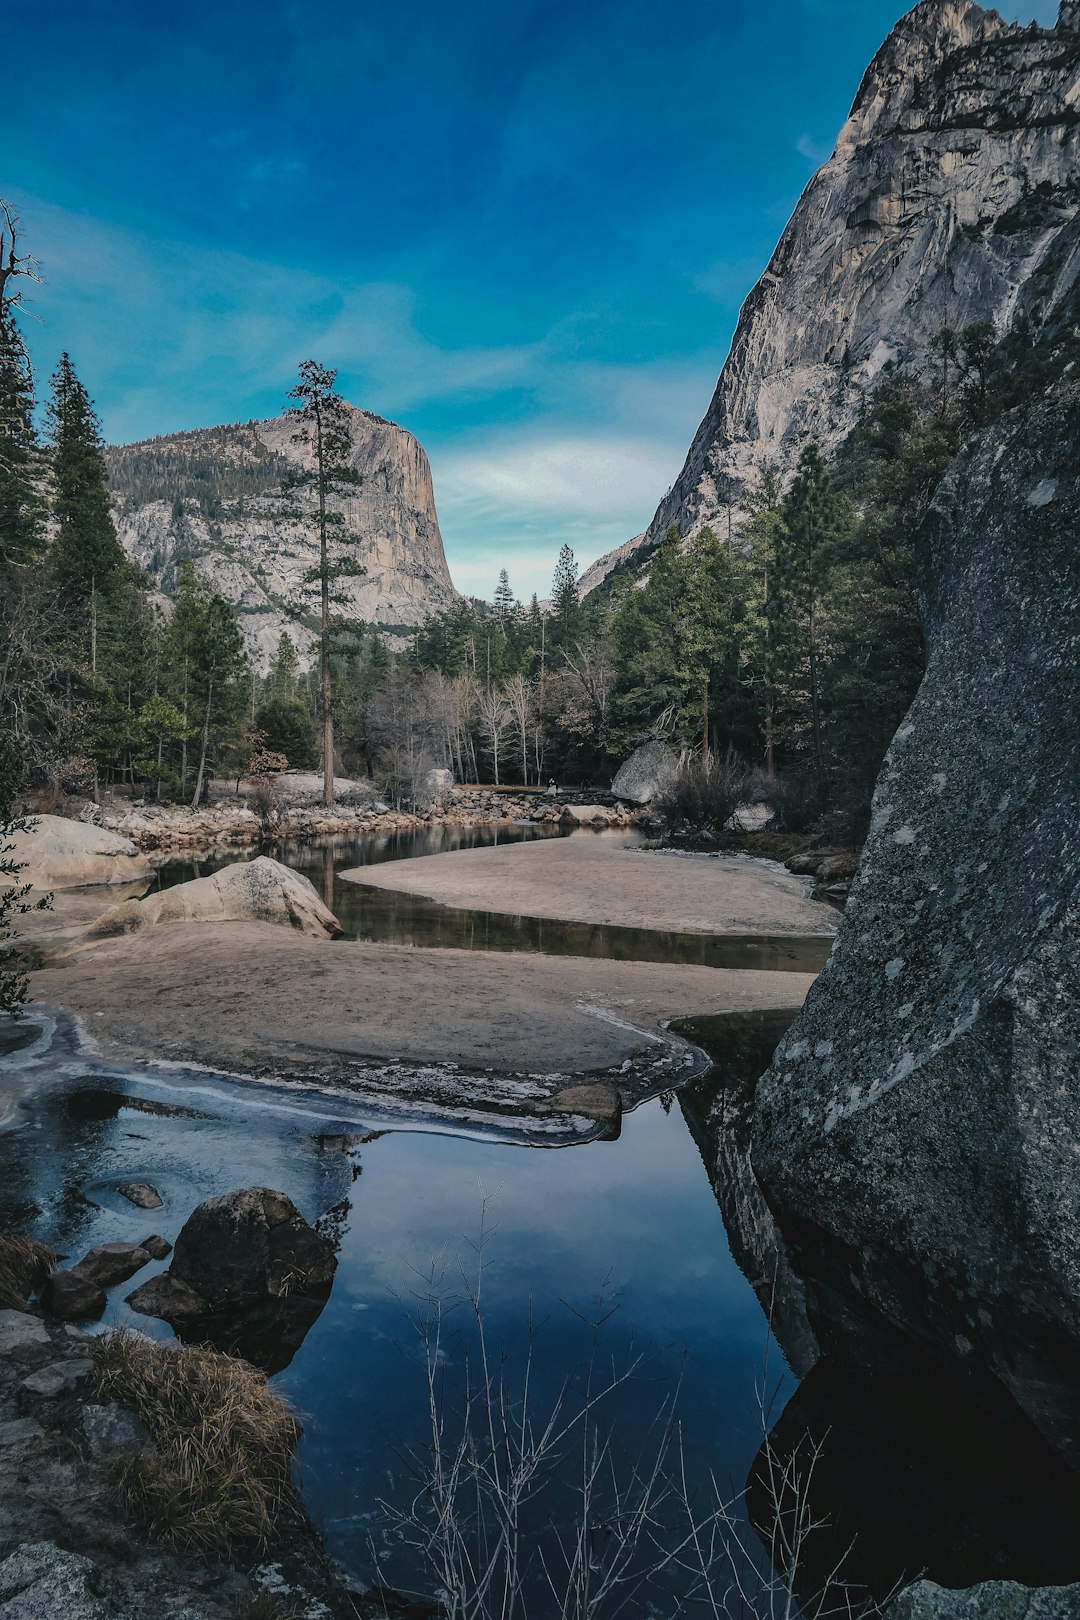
[{"x": 950, "y": 199}]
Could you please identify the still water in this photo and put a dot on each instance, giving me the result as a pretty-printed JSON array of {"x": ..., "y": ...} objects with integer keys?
[
  {"x": 390, "y": 918},
  {"x": 632, "y": 1222}
]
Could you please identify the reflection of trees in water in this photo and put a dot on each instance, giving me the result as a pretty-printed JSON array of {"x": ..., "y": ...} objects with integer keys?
[{"x": 907, "y": 1476}]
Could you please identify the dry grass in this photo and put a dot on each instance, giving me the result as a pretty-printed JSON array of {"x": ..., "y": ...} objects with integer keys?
[
  {"x": 264, "y": 1606},
  {"x": 24, "y": 1266},
  {"x": 217, "y": 1473}
]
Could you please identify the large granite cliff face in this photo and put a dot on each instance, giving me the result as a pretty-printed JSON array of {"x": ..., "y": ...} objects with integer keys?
[
  {"x": 943, "y": 204},
  {"x": 918, "y": 1134},
  {"x": 215, "y": 495}
]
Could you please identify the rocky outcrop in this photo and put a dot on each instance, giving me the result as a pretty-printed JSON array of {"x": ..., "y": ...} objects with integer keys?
[
  {"x": 643, "y": 776},
  {"x": 261, "y": 890},
  {"x": 215, "y": 495},
  {"x": 59, "y": 854},
  {"x": 248, "y": 1275},
  {"x": 993, "y": 1600},
  {"x": 918, "y": 1134},
  {"x": 41, "y": 1579},
  {"x": 950, "y": 199}
]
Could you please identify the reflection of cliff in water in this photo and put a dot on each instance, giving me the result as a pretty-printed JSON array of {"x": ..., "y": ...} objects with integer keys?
[
  {"x": 910, "y": 1479},
  {"x": 718, "y": 1110},
  {"x": 903, "y": 1473}
]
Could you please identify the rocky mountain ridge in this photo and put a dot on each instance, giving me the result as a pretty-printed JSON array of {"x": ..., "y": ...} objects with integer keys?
[
  {"x": 946, "y": 202},
  {"x": 215, "y": 495}
]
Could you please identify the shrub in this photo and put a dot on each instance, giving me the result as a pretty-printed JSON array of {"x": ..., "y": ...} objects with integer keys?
[
  {"x": 268, "y": 802},
  {"x": 24, "y": 1266},
  {"x": 702, "y": 796},
  {"x": 217, "y": 1473},
  {"x": 791, "y": 796}
]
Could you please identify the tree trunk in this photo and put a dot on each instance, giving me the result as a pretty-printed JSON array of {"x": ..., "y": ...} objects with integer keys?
[
  {"x": 205, "y": 745},
  {"x": 324, "y": 639}
]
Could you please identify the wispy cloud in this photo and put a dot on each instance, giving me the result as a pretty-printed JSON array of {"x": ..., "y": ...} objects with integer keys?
[
  {"x": 815, "y": 152},
  {"x": 218, "y": 336}
]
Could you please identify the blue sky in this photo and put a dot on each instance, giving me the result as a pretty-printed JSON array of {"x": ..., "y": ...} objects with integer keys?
[{"x": 523, "y": 231}]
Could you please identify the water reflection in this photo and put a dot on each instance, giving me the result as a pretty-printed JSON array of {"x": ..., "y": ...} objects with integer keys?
[
  {"x": 384, "y": 916},
  {"x": 904, "y": 1476},
  {"x": 911, "y": 1480},
  {"x": 637, "y": 1213}
]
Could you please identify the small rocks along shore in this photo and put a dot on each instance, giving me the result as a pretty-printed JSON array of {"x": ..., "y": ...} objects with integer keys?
[
  {"x": 67, "y": 1546},
  {"x": 233, "y": 823}
]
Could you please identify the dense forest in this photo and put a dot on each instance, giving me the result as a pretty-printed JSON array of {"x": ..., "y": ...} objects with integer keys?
[{"x": 789, "y": 652}]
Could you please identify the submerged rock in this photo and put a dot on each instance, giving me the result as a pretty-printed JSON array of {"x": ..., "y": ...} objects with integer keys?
[
  {"x": 918, "y": 1134},
  {"x": 59, "y": 854},
  {"x": 250, "y": 891},
  {"x": 142, "y": 1195}
]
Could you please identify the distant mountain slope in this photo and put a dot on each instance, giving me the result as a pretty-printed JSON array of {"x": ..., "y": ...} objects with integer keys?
[
  {"x": 214, "y": 495},
  {"x": 947, "y": 201}
]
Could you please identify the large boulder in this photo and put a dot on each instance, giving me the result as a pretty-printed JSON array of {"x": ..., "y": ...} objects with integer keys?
[
  {"x": 59, "y": 854},
  {"x": 993, "y": 1600},
  {"x": 645, "y": 774},
  {"x": 248, "y": 1273},
  {"x": 250, "y": 891},
  {"x": 40, "y": 1580},
  {"x": 918, "y": 1133}
]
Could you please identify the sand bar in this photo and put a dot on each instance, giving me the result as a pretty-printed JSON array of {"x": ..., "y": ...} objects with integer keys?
[{"x": 607, "y": 878}]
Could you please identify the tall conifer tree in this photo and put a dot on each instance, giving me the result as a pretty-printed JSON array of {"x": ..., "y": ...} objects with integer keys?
[{"x": 324, "y": 429}]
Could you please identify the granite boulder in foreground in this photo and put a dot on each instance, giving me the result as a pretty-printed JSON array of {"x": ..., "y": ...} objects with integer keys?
[
  {"x": 262, "y": 890},
  {"x": 918, "y": 1133}
]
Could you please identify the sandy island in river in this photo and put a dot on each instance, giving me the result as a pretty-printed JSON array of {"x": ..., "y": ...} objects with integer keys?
[
  {"x": 252, "y": 997},
  {"x": 608, "y": 878}
]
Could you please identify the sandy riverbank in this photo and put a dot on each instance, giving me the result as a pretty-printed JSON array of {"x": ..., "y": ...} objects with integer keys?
[
  {"x": 606, "y": 878},
  {"x": 251, "y": 997}
]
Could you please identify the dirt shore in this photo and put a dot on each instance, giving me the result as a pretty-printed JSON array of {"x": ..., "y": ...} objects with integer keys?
[
  {"x": 605, "y": 878},
  {"x": 251, "y": 997}
]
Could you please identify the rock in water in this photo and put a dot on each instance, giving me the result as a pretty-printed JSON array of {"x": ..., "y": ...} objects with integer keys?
[
  {"x": 248, "y": 1273},
  {"x": 59, "y": 854},
  {"x": 250, "y": 891},
  {"x": 947, "y": 199},
  {"x": 918, "y": 1134}
]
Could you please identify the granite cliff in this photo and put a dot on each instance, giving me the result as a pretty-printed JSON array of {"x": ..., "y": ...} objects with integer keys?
[
  {"x": 943, "y": 204},
  {"x": 917, "y": 1136},
  {"x": 214, "y": 494}
]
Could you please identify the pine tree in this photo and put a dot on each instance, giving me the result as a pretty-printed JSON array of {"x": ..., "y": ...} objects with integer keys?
[
  {"x": 505, "y": 601},
  {"x": 284, "y": 668},
  {"x": 324, "y": 428},
  {"x": 763, "y": 534},
  {"x": 87, "y": 559},
  {"x": 804, "y": 550},
  {"x": 565, "y": 605},
  {"x": 22, "y": 511},
  {"x": 206, "y": 650}
]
